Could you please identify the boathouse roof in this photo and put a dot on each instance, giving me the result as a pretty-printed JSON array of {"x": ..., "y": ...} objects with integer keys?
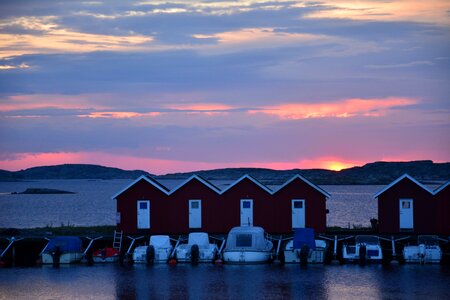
[
  {"x": 395, "y": 182},
  {"x": 169, "y": 187},
  {"x": 442, "y": 187}
]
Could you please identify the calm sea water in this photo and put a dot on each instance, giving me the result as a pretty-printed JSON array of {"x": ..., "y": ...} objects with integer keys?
[
  {"x": 92, "y": 205},
  {"x": 349, "y": 205},
  {"x": 226, "y": 282}
]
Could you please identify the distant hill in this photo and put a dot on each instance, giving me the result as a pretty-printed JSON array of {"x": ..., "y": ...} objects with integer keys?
[
  {"x": 373, "y": 173},
  {"x": 70, "y": 171}
]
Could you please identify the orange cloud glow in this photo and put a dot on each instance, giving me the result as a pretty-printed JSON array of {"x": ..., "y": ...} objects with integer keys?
[
  {"x": 430, "y": 11},
  {"x": 257, "y": 38},
  {"x": 341, "y": 109},
  {"x": 54, "y": 39},
  {"x": 209, "y": 109},
  {"x": 10, "y": 67}
]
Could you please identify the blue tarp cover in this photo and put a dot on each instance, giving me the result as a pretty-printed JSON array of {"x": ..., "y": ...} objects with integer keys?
[
  {"x": 65, "y": 244},
  {"x": 304, "y": 236}
]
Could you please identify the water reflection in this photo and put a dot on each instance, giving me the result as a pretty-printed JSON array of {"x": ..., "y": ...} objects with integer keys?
[{"x": 226, "y": 282}]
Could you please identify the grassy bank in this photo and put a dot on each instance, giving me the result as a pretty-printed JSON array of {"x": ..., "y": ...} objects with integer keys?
[
  {"x": 107, "y": 230},
  {"x": 62, "y": 230}
]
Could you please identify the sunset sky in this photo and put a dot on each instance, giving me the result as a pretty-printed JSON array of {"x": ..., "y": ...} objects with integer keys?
[{"x": 183, "y": 85}]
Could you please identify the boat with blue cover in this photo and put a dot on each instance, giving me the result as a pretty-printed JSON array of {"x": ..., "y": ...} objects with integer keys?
[
  {"x": 304, "y": 248},
  {"x": 63, "y": 250}
]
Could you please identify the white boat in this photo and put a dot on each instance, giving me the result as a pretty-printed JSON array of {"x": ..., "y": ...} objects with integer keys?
[
  {"x": 198, "y": 249},
  {"x": 314, "y": 256},
  {"x": 62, "y": 250},
  {"x": 158, "y": 250},
  {"x": 247, "y": 245},
  {"x": 366, "y": 249},
  {"x": 427, "y": 250}
]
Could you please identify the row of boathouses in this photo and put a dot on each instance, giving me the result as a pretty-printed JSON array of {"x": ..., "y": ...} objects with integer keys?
[{"x": 146, "y": 206}]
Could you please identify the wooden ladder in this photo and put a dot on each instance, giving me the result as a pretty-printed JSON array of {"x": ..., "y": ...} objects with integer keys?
[{"x": 117, "y": 244}]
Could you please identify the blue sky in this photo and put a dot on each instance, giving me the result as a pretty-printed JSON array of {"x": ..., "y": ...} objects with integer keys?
[{"x": 169, "y": 86}]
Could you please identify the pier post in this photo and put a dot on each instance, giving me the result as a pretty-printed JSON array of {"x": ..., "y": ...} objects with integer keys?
[
  {"x": 13, "y": 256},
  {"x": 335, "y": 247},
  {"x": 393, "y": 247}
]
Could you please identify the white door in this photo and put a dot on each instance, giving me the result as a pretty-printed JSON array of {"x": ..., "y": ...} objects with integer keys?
[
  {"x": 143, "y": 214},
  {"x": 195, "y": 214},
  {"x": 406, "y": 214},
  {"x": 246, "y": 212},
  {"x": 298, "y": 213}
]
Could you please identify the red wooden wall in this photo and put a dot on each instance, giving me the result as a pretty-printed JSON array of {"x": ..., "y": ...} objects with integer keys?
[
  {"x": 169, "y": 211},
  {"x": 443, "y": 209},
  {"x": 315, "y": 206},
  {"x": 424, "y": 208}
]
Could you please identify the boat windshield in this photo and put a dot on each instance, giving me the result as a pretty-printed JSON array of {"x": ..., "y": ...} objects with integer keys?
[
  {"x": 243, "y": 240},
  {"x": 246, "y": 238},
  {"x": 369, "y": 240}
]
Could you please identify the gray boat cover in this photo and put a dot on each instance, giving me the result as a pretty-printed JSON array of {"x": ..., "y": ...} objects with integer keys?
[{"x": 248, "y": 238}]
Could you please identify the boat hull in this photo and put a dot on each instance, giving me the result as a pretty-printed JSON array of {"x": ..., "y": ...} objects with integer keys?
[
  {"x": 422, "y": 254},
  {"x": 315, "y": 257},
  {"x": 183, "y": 254},
  {"x": 162, "y": 255},
  {"x": 246, "y": 257},
  {"x": 106, "y": 255},
  {"x": 65, "y": 258},
  {"x": 106, "y": 259},
  {"x": 374, "y": 253}
]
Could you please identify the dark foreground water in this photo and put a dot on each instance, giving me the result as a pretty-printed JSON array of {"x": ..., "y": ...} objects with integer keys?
[{"x": 227, "y": 282}]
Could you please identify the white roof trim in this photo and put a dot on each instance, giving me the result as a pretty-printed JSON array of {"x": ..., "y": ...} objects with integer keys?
[
  {"x": 397, "y": 181},
  {"x": 168, "y": 192},
  {"x": 251, "y": 179},
  {"x": 204, "y": 181},
  {"x": 151, "y": 181},
  {"x": 441, "y": 187},
  {"x": 323, "y": 192}
]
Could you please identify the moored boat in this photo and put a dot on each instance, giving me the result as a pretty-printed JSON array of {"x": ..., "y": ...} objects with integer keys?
[
  {"x": 427, "y": 250},
  {"x": 107, "y": 254},
  {"x": 247, "y": 245},
  {"x": 366, "y": 249},
  {"x": 198, "y": 249},
  {"x": 63, "y": 250},
  {"x": 158, "y": 250},
  {"x": 304, "y": 248}
]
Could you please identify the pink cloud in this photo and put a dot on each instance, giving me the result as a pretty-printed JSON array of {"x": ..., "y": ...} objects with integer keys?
[
  {"x": 338, "y": 109},
  {"x": 119, "y": 114}
]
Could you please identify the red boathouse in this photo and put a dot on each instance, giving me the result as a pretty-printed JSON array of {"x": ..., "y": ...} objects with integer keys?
[
  {"x": 147, "y": 206},
  {"x": 406, "y": 205},
  {"x": 442, "y": 196}
]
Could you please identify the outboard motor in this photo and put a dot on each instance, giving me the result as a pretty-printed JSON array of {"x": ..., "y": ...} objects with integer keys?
[
  {"x": 150, "y": 254},
  {"x": 56, "y": 256},
  {"x": 422, "y": 249},
  {"x": 90, "y": 258},
  {"x": 195, "y": 254},
  {"x": 362, "y": 255},
  {"x": 304, "y": 253}
]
